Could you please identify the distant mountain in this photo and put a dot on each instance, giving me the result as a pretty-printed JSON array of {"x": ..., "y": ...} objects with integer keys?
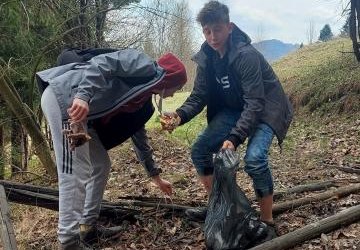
[{"x": 274, "y": 49}]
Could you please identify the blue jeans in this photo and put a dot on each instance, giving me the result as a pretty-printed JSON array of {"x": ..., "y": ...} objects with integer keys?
[{"x": 256, "y": 157}]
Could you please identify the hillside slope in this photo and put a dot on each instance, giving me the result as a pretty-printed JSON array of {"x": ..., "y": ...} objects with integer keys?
[{"x": 322, "y": 77}]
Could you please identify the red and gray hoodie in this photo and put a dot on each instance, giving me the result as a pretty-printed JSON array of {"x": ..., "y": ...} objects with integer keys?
[{"x": 110, "y": 81}]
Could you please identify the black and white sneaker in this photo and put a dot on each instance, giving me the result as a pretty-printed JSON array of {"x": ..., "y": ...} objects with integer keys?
[
  {"x": 93, "y": 234},
  {"x": 74, "y": 244}
]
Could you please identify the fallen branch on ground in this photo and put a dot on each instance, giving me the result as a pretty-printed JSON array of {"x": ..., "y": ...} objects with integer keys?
[
  {"x": 339, "y": 192},
  {"x": 343, "y": 218},
  {"x": 305, "y": 188},
  {"x": 349, "y": 170},
  {"x": 49, "y": 198},
  {"x": 171, "y": 206},
  {"x": 36, "y": 189},
  {"x": 277, "y": 195},
  {"x": 191, "y": 203}
]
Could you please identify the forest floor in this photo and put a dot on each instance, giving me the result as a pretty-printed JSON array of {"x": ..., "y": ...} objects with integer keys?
[{"x": 313, "y": 152}]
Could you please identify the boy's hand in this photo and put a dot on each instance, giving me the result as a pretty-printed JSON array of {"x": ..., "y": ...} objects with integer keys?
[
  {"x": 228, "y": 145},
  {"x": 163, "y": 185},
  {"x": 169, "y": 121},
  {"x": 78, "y": 110}
]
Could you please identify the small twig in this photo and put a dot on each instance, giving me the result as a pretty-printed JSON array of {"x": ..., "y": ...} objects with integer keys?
[
  {"x": 27, "y": 16},
  {"x": 21, "y": 171}
]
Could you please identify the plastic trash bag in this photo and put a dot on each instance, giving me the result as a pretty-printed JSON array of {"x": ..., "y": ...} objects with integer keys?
[{"x": 231, "y": 222}]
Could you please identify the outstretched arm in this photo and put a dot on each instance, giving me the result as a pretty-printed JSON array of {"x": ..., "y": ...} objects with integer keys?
[{"x": 144, "y": 154}]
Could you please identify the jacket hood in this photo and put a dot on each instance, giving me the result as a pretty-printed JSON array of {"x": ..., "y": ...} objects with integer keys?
[
  {"x": 237, "y": 40},
  {"x": 175, "y": 72}
]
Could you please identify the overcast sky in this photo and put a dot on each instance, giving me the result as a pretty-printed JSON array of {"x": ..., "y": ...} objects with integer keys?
[{"x": 285, "y": 20}]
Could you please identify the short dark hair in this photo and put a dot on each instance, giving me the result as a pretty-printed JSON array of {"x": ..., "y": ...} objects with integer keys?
[{"x": 213, "y": 12}]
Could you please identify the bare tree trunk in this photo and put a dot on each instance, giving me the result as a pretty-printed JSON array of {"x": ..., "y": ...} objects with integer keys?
[
  {"x": 84, "y": 36},
  {"x": 310, "y": 32},
  {"x": 25, "y": 150},
  {"x": 48, "y": 136},
  {"x": 16, "y": 141},
  {"x": 357, "y": 8},
  {"x": 353, "y": 26},
  {"x": 28, "y": 121},
  {"x": 101, "y": 5},
  {"x": 2, "y": 158}
]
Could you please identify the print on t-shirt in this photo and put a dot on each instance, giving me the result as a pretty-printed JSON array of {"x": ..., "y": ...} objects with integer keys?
[{"x": 224, "y": 81}]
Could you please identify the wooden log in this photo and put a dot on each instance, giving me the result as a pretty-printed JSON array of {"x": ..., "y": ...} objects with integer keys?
[
  {"x": 48, "y": 198},
  {"x": 339, "y": 192},
  {"x": 28, "y": 187},
  {"x": 52, "y": 202},
  {"x": 349, "y": 170},
  {"x": 304, "y": 188},
  {"x": 313, "y": 230},
  {"x": 7, "y": 230}
]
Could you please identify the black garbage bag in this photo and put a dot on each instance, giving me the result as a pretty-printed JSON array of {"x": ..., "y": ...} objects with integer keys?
[{"x": 231, "y": 222}]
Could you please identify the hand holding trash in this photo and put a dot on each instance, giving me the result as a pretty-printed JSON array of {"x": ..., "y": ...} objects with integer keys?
[
  {"x": 76, "y": 135},
  {"x": 169, "y": 121}
]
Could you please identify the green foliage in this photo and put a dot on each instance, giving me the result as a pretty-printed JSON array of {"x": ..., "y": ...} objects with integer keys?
[
  {"x": 24, "y": 30},
  {"x": 23, "y": 33},
  {"x": 321, "y": 78},
  {"x": 326, "y": 33}
]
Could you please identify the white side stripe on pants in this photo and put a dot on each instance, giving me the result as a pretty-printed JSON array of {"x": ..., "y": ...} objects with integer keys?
[{"x": 67, "y": 153}]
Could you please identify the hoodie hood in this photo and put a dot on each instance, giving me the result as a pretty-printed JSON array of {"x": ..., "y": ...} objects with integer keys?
[
  {"x": 175, "y": 72},
  {"x": 237, "y": 40}
]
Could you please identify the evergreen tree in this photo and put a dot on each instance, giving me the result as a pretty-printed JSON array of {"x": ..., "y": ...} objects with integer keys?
[{"x": 326, "y": 33}]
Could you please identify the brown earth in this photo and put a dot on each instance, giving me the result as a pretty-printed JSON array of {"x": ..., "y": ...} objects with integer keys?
[{"x": 312, "y": 153}]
